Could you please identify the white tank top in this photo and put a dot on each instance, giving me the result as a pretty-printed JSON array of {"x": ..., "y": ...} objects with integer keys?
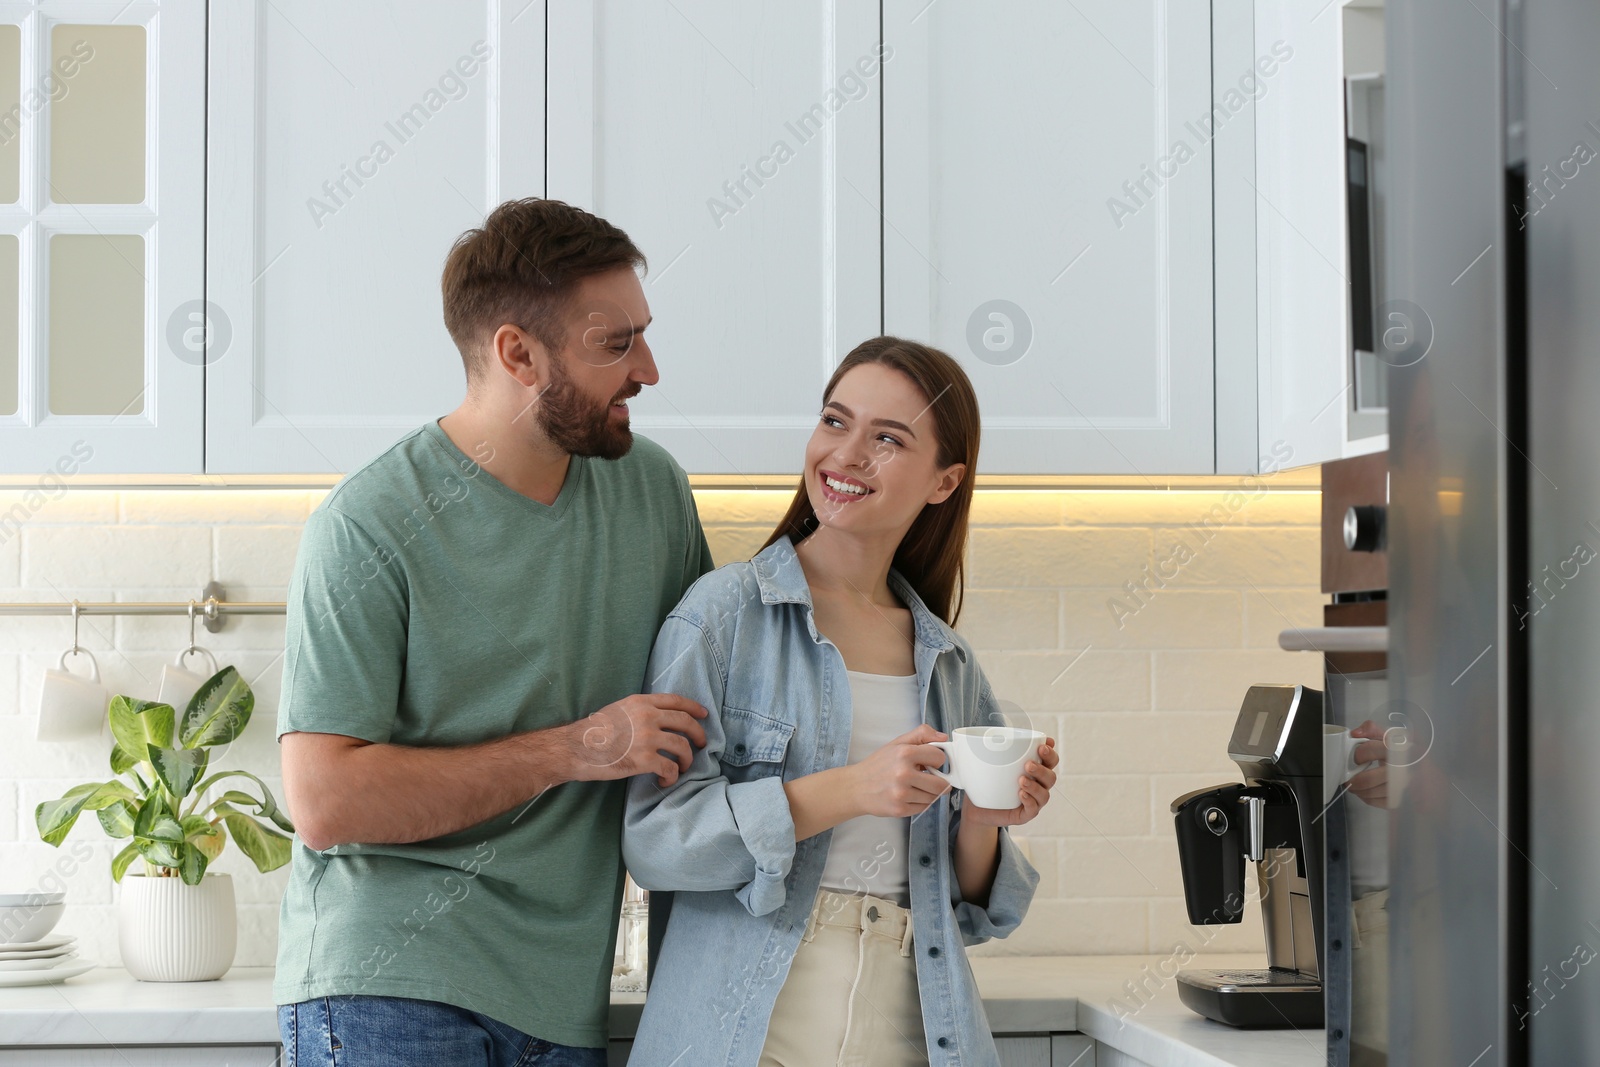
[{"x": 867, "y": 854}]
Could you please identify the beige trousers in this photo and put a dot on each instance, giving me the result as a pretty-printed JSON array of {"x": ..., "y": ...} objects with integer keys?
[{"x": 850, "y": 998}]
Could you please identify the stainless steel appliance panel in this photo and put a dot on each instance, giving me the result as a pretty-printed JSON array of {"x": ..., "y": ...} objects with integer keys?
[
  {"x": 1447, "y": 575},
  {"x": 1562, "y": 608}
]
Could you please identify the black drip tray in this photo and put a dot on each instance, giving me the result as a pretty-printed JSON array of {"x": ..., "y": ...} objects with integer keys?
[{"x": 1261, "y": 999}]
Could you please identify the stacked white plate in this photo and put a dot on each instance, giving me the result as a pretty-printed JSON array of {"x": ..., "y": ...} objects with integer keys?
[{"x": 44, "y": 960}]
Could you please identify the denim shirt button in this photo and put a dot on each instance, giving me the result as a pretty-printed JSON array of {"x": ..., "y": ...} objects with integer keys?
[
  {"x": 934, "y": 951},
  {"x": 739, "y": 748},
  {"x": 944, "y": 1042},
  {"x": 926, "y": 861}
]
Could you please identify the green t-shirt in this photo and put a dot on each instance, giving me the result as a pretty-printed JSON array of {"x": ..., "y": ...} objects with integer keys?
[{"x": 431, "y": 605}]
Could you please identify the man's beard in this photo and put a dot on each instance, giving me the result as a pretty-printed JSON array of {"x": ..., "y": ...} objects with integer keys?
[{"x": 568, "y": 419}]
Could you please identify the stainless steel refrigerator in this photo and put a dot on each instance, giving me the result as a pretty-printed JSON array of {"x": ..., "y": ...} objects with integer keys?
[{"x": 1493, "y": 257}]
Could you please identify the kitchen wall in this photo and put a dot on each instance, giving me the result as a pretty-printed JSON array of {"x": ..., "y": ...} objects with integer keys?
[{"x": 1125, "y": 623}]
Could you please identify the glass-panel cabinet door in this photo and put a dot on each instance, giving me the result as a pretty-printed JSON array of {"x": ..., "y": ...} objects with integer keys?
[{"x": 102, "y": 180}]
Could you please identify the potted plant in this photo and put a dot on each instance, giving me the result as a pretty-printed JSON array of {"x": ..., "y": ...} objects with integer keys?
[{"x": 176, "y": 923}]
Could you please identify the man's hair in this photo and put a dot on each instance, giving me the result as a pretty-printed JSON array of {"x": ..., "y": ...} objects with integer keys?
[{"x": 522, "y": 267}]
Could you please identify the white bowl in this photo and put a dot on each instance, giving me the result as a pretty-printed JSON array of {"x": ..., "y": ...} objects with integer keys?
[
  {"x": 14, "y": 900},
  {"x": 28, "y": 922}
]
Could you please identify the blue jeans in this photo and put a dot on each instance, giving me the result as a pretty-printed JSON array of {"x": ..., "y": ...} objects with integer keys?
[{"x": 360, "y": 1031}]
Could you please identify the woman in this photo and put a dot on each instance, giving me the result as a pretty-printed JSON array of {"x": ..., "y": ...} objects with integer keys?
[{"x": 827, "y": 883}]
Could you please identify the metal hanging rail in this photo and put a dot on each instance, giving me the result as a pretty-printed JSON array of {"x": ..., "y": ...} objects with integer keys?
[{"x": 210, "y": 610}]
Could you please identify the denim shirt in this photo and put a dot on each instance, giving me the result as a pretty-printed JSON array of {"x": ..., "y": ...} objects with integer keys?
[{"x": 744, "y": 643}]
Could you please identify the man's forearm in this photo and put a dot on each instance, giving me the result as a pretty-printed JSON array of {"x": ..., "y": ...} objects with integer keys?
[{"x": 395, "y": 794}]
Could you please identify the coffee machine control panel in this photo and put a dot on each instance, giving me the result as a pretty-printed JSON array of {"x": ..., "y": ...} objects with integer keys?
[{"x": 1265, "y": 733}]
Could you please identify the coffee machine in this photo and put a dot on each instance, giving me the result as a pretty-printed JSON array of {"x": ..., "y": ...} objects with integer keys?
[{"x": 1271, "y": 818}]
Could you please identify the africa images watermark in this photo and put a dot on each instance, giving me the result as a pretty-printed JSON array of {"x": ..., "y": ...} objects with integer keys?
[
  {"x": 51, "y": 88},
  {"x": 1154, "y": 578},
  {"x": 1153, "y": 176},
  {"x": 48, "y": 487},
  {"x": 851, "y": 86},
  {"x": 450, "y": 86}
]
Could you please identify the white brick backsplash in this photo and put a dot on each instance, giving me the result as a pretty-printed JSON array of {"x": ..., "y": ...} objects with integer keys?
[
  {"x": 1141, "y": 710},
  {"x": 1016, "y": 508},
  {"x": 729, "y": 544},
  {"x": 208, "y": 507},
  {"x": 10, "y": 821},
  {"x": 1010, "y": 618},
  {"x": 1075, "y": 680},
  {"x": 256, "y": 555},
  {"x": 1159, "y": 618},
  {"x": 1211, "y": 681},
  {"x": 1119, "y": 867},
  {"x": 46, "y": 505},
  {"x": 124, "y": 557},
  {"x": 1012, "y": 558},
  {"x": 1076, "y": 926},
  {"x": 1089, "y": 805},
  {"x": 1243, "y": 556},
  {"x": 1170, "y": 928},
  {"x": 10, "y": 557},
  {"x": 1268, "y": 612}
]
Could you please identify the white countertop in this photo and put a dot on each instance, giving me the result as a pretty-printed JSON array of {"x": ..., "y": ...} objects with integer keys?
[{"x": 1022, "y": 994}]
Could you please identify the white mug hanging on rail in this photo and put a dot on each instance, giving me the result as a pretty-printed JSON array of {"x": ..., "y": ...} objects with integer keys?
[
  {"x": 72, "y": 707},
  {"x": 178, "y": 683}
]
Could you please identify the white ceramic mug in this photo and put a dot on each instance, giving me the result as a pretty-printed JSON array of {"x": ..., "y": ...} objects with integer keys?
[
  {"x": 178, "y": 683},
  {"x": 1339, "y": 759},
  {"x": 986, "y": 763},
  {"x": 71, "y": 707}
]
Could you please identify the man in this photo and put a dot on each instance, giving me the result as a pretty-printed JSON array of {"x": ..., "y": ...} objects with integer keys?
[{"x": 470, "y": 619}]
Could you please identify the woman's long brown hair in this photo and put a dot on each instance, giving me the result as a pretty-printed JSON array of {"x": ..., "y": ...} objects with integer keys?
[{"x": 932, "y": 554}]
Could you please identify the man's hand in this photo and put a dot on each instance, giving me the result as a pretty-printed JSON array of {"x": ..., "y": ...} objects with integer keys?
[
  {"x": 1037, "y": 781},
  {"x": 894, "y": 781},
  {"x": 650, "y": 733}
]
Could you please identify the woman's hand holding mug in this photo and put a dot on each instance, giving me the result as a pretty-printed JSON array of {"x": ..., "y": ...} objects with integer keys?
[
  {"x": 894, "y": 781},
  {"x": 1038, "y": 778}
]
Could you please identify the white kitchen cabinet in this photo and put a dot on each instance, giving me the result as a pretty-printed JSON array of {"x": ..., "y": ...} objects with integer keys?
[
  {"x": 102, "y": 182},
  {"x": 1047, "y": 221},
  {"x": 737, "y": 144},
  {"x": 1292, "y": 389},
  {"x": 349, "y": 145}
]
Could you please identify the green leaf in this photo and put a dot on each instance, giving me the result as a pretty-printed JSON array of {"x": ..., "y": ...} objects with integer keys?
[
  {"x": 56, "y": 817},
  {"x": 161, "y": 853},
  {"x": 121, "y": 761},
  {"x": 155, "y": 822},
  {"x": 116, "y": 819},
  {"x": 267, "y": 848},
  {"x": 267, "y": 806},
  {"x": 178, "y": 768},
  {"x": 192, "y": 866},
  {"x": 119, "y": 862},
  {"x": 137, "y": 723},
  {"x": 218, "y": 711}
]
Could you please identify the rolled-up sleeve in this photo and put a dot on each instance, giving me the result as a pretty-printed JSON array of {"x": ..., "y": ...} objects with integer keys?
[
  {"x": 1015, "y": 878},
  {"x": 704, "y": 833},
  {"x": 1009, "y": 897}
]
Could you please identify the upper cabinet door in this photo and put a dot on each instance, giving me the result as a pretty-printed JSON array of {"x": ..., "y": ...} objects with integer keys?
[
  {"x": 1301, "y": 211},
  {"x": 1047, "y": 221},
  {"x": 349, "y": 145},
  {"x": 737, "y": 144},
  {"x": 102, "y": 182}
]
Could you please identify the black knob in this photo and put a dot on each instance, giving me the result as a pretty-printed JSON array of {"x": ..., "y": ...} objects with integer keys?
[{"x": 1364, "y": 528}]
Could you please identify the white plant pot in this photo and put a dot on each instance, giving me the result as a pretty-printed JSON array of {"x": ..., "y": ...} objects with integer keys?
[{"x": 172, "y": 932}]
